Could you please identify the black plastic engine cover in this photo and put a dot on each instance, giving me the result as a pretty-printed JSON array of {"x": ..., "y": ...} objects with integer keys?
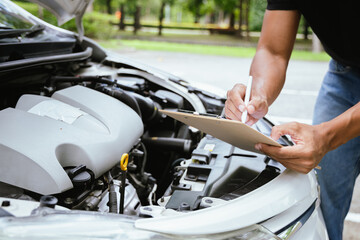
[{"x": 229, "y": 169}]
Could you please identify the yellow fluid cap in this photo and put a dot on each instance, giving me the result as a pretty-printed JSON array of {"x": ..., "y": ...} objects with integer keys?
[{"x": 124, "y": 161}]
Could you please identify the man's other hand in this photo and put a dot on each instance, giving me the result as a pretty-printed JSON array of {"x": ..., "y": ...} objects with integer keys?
[{"x": 311, "y": 146}]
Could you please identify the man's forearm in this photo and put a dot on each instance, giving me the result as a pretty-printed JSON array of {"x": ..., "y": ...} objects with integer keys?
[
  {"x": 268, "y": 71},
  {"x": 342, "y": 128},
  {"x": 273, "y": 53},
  {"x": 268, "y": 67}
]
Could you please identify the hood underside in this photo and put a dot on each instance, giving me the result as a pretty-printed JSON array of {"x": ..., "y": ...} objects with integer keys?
[{"x": 65, "y": 10}]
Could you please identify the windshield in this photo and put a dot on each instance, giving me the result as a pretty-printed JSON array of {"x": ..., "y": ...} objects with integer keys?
[{"x": 10, "y": 18}]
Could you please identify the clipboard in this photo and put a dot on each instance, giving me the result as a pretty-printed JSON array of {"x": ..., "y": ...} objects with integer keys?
[{"x": 234, "y": 132}]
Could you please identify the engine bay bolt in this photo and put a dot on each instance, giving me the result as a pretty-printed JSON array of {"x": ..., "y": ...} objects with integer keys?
[
  {"x": 209, "y": 201},
  {"x": 162, "y": 199},
  {"x": 5, "y": 203},
  {"x": 190, "y": 176},
  {"x": 68, "y": 201},
  {"x": 100, "y": 183},
  {"x": 184, "y": 206},
  {"x": 132, "y": 167}
]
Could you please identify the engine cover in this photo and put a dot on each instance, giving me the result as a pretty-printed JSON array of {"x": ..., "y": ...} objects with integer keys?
[{"x": 75, "y": 126}]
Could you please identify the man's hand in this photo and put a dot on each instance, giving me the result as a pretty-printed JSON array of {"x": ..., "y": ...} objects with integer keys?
[
  {"x": 235, "y": 106},
  {"x": 311, "y": 146}
]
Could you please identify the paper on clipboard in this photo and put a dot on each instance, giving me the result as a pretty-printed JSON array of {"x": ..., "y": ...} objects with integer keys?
[{"x": 234, "y": 132}]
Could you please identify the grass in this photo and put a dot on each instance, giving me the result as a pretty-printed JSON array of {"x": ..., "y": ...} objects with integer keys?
[{"x": 204, "y": 49}]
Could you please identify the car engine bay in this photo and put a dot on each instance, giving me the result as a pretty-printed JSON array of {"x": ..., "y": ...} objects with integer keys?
[{"x": 66, "y": 123}]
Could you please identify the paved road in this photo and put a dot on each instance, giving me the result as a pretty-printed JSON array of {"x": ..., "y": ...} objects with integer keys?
[{"x": 295, "y": 103}]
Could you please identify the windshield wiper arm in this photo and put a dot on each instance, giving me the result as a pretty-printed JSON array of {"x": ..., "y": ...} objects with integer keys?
[
  {"x": 35, "y": 30},
  {"x": 4, "y": 27},
  {"x": 9, "y": 33}
]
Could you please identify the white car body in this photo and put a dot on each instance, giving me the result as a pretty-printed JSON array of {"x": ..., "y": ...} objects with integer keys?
[{"x": 286, "y": 207}]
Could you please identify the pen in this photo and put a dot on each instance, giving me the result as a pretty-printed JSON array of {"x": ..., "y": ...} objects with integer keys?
[{"x": 247, "y": 98}]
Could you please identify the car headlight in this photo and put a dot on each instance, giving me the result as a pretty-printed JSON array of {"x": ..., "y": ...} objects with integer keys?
[
  {"x": 85, "y": 225},
  {"x": 253, "y": 232}
]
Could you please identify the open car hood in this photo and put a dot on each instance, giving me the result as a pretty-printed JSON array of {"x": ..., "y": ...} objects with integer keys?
[{"x": 65, "y": 10}]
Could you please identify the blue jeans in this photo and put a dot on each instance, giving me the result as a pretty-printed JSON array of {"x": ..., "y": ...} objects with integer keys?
[{"x": 340, "y": 91}]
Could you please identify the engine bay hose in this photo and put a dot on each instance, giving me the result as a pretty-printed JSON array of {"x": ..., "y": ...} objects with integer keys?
[
  {"x": 113, "y": 208},
  {"x": 173, "y": 144},
  {"x": 122, "y": 96},
  {"x": 147, "y": 106},
  {"x": 51, "y": 83}
]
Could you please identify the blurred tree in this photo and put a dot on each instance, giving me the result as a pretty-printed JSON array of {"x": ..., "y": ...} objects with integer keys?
[
  {"x": 244, "y": 17},
  {"x": 103, "y": 5},
  {"x": 122, "y": 17},
  {"x": 228, "y": 7},
  {"x": 161, "y": 14},
  {"x": 133, "y": 8},
  {"x": 194, "y": 6},
  {"x": 209, "y": 7},
  {"x": 257, "y": 10},
  {"x": 137, "y": 24},
  {"x": 108, "y": 7},
  {"x": 247, "y": 13},
  {"x": 239, "y": 31},
  {"x": 306, "y": 29}
]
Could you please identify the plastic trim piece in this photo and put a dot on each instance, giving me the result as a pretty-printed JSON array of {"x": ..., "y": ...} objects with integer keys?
[
  {"x": 192, "y": 98},
  {"x": 4, "y": 213},
  {"x": 24, "y": 63},
  {"x": 298, "y": 222},
  {"x": 283, "y": 192}
]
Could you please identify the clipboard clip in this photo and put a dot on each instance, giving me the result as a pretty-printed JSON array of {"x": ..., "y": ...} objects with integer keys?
[{"x": 200, "y": 114}]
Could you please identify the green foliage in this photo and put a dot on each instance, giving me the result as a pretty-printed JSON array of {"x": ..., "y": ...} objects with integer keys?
[
  {"x": 228, "y": 6},
  {"x": 101, "y": 6},
  {"x": 96, "y": 25},
  {"x": 257, "y": 10},
  {"x": 209, "y": 7},
  {"x": 130, "y": 5},
  {"x": 183, "y": 12},
  {"x": 30, "y": 7},
  {"x": 180, "y": 14},
  {"x": 194, "y": 6},
  {"x": 169, "y": 2}
]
